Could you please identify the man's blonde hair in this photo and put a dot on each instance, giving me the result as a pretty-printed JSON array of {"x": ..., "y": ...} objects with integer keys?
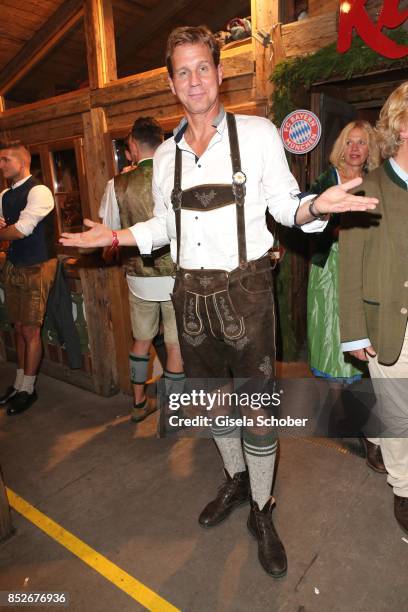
[
  {"x": 337, "y": 153},
  {"x": 191, "y": 35},
  {"x": 393, "y": 118}
]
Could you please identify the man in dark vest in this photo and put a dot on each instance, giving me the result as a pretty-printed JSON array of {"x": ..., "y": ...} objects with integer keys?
[
  {"x": 212, "y": 185},
  {"x": 128, "y": 200},
  {"x": 27, "y": 221}
]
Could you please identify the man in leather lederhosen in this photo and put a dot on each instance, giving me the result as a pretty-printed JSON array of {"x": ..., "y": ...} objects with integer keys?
[{"x": 212, "y": 184}]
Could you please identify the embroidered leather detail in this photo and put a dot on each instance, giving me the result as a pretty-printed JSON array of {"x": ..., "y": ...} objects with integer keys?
[
  {"x": 266, "y": 366},
  {"x": 206, "y": 280},
  {"x": 205, "y": 199},
  {"x": 194, "y": 340},
  {"x": 192, "y": 321},
  {"x": 237, "y": 344},
  {"x": 232, "y": 325}
]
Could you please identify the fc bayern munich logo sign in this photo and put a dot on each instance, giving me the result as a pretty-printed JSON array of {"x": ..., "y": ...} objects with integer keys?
[{"x": 300, "y": 131}]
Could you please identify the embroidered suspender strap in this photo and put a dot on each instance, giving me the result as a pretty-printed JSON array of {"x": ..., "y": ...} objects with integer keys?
[
  {"x": 176, "y": 196},
  {"x": 238, "y": 188}
]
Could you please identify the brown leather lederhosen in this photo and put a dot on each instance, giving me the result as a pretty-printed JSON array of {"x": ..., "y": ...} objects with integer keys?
[{"x": 225, "y": 320}]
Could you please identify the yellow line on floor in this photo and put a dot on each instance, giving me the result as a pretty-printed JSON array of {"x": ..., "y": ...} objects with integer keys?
[{"x": 124, "y": 581}]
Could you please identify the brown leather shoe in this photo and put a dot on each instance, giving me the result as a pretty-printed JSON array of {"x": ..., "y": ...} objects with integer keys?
[
  {"x": 139, "y": 414},
  {"x": 271, "y": 553},
  {"x": 401, "y": 511},
  {"x": 374, "y": 458},
  {"x": 232, "y": 493}
]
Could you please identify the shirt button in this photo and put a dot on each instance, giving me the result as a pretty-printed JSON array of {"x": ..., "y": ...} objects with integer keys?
[
  {"x": 199, "y": 165},
  {"x": 404, "y": 311},
  {"x": 198, "y": 243},
  {"x": 406, "y": 284}
]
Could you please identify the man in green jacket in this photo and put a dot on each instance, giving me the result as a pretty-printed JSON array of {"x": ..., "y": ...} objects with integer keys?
[{"x": 374, "y": 293}]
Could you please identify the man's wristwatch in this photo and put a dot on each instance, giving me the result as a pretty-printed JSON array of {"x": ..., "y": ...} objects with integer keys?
[{"x": 314, "y": 212}]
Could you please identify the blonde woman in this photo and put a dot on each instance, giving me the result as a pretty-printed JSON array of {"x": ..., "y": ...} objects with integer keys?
[{"x": 354, "y": 153}]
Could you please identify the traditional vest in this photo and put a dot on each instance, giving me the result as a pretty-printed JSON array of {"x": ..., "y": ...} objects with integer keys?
[
  {"x": 133, "y": 192},
  {"x": 38, "y": 246}
]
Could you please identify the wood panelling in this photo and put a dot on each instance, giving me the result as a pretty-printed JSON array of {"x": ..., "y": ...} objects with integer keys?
[
  {"x": 61, "y": 106},
  {"x": 151, "y": 55},
  {"x": 319, "y": 7},
  {"x": 52, "y": 129},
  {"x": 238, "y": 61},
  {"x": 309, "y": 35}
]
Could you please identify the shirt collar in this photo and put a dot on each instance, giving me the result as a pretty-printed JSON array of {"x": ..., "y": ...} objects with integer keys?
[
  {"x": 399, "y": 171},
  {"x": 218, "y": 123},
  {"x": 20, "y": 182},
  {"x": 146, "y": 161}
]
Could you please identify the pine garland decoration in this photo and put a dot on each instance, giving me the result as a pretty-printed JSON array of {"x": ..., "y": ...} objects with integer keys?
[{"x": 291, "y": 75}]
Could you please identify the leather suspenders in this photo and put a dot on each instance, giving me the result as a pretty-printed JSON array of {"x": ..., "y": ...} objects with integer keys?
[{"x": 236, "y": 193}]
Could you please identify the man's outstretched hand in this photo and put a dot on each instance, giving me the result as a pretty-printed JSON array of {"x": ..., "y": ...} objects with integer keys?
[
  {"x": 98, "y": 236},
  {"x": 337, "y": 199}
]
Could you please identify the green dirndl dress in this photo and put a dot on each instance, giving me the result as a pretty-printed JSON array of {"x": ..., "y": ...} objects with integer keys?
[{"x": 326, "y": 359}]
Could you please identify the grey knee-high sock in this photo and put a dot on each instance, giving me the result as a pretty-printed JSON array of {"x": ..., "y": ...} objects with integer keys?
[
  {"x": 228, "y": 441},
  {"x": 138, "y": 366},
  {"x": 260, "y": 452},
  {"x": 174, "y": 382}
]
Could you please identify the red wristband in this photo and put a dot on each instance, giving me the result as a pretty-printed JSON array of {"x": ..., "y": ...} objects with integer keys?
[
  {"x": 113, "y": 251},
  {"x": 115, "y": 241}
]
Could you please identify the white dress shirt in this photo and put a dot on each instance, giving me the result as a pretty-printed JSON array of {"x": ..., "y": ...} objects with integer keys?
[
  {"x": 209, "y": 238},
  {"x": 355, "y": 345},
  {"x": 152, "y": 289},
  {"x": 40, "y": 202}
]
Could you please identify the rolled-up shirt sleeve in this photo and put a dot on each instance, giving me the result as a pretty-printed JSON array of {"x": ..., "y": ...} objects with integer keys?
[
  {"x": 40, "y": 202},
  {"x": 109, "y": 209},
  {"x": 355, "y": 345},
  {"x": 280, "y": 186},
  {"x": 152, "y": 234}
]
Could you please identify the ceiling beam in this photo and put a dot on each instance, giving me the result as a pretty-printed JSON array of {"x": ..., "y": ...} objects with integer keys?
[
  {"x": 53, "y": 30},
  {"x": 153, "y": 22},
  {"x": 164, "y": 11}
]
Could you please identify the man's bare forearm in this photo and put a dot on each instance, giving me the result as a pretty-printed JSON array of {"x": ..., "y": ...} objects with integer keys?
[{"x": 98, "y": 235}]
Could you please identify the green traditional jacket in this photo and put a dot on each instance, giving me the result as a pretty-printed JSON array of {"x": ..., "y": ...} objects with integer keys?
[
  {"x": 374, "y": 267},
  {"x": 133, "y": 192}
]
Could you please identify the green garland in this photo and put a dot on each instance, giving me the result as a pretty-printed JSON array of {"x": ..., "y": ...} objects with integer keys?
[{"x": 292, "y": 77}]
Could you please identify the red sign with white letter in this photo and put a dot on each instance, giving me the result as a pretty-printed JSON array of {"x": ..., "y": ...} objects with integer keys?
[{"x": 353, "y": 15}]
